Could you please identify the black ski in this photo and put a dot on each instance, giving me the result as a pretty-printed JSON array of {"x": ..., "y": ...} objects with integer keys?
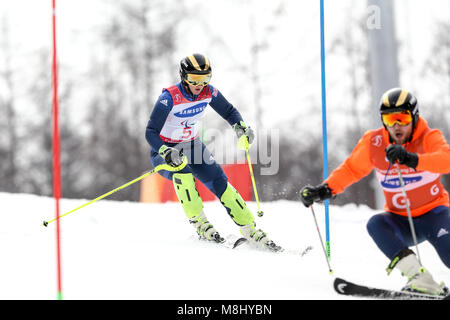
[
  {"x": 273, "y": 248},
  {"x": 238, "y": 242},
  {"x": 351, "y": 289},
  {"x": 231, "y": 241}
]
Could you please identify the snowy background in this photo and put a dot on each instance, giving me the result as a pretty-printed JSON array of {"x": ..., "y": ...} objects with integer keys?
[
  {"x": 128, "y": 250},
  {"x": 125, "y": 250},
  {"x": 116, "y": 56}
]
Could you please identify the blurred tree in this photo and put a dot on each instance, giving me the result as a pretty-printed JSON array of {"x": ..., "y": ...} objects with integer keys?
[
  {"x": 356, "y": 105},
  {"x": 9, "y": 135},
  {"x": 301, "y": 154},
  {"x": 108, "y": 147},
  {"x": 300, "y": 162},
  {"x": 26, "y": 143},
  {"x": 125, "y": 78},
  {"x": 437, "y": 66},
  {"x": 37, "y": 172},
  {"x": 261, "y": 31}
]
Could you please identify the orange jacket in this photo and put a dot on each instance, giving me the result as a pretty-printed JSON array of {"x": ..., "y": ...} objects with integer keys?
[{"x": 423, "y": 187}]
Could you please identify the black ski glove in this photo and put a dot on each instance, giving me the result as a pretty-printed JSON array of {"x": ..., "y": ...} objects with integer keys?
[
  {"x": 242, "y": 129},
  {"x": 172, "y": 156},
  {"x": 396, "y": 152},
  {"x": 310, "y": 194}
]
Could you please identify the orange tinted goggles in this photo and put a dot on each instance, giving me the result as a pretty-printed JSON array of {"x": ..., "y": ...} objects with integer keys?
[
  {"x": 403, "y": 118},
  {"x": 198, "y": 79}
]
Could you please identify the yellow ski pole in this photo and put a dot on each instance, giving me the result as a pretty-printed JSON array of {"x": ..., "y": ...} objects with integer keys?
[
  {"x": 156, "y": 169},
  {"x": 260, "y": 212},
  {"x": 244, "y": 145}
]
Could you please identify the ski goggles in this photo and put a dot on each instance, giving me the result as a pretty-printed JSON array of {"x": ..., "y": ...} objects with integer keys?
[
  {"x": 198, "y": 79},
  {"x": 403, "y": 118}
]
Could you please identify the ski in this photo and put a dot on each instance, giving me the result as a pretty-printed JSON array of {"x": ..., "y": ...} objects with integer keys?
[
  {"x": 238, "y": 242},
  {"x": 345, "y": 287},
  {"x": 294, "y": 252},
  {"x": 231, "y": 241},
  {"x": 301, "y": 253},
  {"x": 280, "y": 250}
]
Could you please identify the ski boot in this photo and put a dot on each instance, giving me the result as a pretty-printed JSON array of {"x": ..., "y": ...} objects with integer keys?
[
  {"x": 205, "y": 229},
  {"x": 419, "y": 279},
  {"x": 184, "y": 184},
  {"x": 258, "y": 238},
  {"x": 241, "y": 215}
]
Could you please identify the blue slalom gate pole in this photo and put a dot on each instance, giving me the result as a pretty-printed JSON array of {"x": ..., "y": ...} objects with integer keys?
[{"x": 324, "y": 124}]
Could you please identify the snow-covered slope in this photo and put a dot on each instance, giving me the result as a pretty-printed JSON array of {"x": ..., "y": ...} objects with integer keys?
[{"x": 124, "y": 250}]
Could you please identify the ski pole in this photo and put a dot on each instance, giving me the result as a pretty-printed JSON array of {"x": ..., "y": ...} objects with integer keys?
[
  {"x": 156, "y": 169},
  {"x": 410, "y": 219},
  {"x": 321, "y": 241},
  {"x": 250, "y": 167},
  {"x": 244, "y": 145}
]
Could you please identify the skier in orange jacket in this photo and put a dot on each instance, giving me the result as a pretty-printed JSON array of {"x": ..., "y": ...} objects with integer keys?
[{"x": 405, "y": 143}]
